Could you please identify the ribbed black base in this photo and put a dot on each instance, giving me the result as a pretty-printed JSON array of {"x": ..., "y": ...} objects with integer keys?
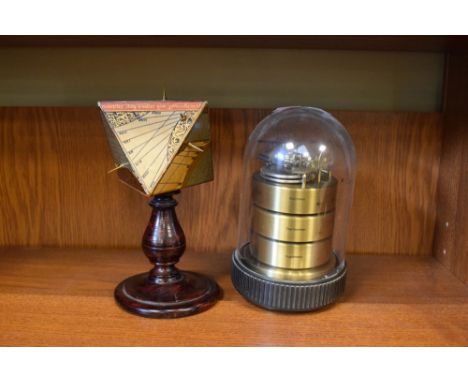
[{"x": 285, "y": 296}]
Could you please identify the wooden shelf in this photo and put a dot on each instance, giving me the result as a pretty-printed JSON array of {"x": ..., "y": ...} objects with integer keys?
[
  {"x": 401, "y": 43},
  {"x": 64, "y": 297}
]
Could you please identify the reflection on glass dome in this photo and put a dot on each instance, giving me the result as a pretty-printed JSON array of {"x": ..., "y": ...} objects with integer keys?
[{"x": 295, "y": 163}]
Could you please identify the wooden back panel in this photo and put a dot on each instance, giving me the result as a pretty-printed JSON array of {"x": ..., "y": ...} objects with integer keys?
[{"x": 55, "y": 191}]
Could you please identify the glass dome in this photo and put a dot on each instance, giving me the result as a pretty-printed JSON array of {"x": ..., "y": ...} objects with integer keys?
[{"x": 298, "y": 181}]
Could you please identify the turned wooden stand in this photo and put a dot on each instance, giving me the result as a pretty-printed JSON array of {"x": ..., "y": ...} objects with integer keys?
[{"x": 166, "y": 292}]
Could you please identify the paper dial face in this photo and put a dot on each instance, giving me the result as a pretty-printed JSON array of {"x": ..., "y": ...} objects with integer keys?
[{"x": 151, "y": 138}]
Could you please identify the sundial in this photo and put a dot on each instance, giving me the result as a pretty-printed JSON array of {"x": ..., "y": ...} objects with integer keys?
[{"x": 160, "y": 147}]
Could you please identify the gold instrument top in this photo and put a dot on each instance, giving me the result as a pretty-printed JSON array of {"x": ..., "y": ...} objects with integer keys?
[{"x": 159, "y": 146}]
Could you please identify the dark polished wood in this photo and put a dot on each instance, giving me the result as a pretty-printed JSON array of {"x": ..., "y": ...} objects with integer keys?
[
  {"x": 166, "y": 292},
  {"x": 63, "y": 297}
]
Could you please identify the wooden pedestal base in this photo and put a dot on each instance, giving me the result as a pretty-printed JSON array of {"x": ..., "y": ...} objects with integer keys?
[
  {"x": 194, "y": 293},
  {"x": 166, "y": 292}
]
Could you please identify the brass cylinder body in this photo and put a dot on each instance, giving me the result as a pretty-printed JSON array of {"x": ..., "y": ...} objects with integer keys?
[
  {"x": 291, "y": 255},
  {"x": 292, "y": 227},
  {"x": 292, "y": 198}
]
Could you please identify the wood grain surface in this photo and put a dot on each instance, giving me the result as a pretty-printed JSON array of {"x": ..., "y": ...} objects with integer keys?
[
  {"x": 400, "y": 43},
  {"x": 55, "y": 190},
  {"x": 65, "y": 298},
  {"x": 451, "y": 242}
]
